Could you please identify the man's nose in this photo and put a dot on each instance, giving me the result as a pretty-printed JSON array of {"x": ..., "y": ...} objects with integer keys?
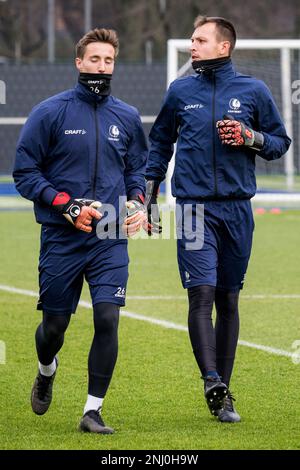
[{"x": 101, "y": 67}]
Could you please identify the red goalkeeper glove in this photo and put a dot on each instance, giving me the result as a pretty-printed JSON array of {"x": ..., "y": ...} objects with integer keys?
[
  {"x": 79, "y": 212},
  {"x": 232, "y": 132}
]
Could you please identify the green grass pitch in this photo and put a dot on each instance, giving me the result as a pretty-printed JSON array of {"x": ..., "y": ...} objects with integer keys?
[{"x": 155, "y": 400}]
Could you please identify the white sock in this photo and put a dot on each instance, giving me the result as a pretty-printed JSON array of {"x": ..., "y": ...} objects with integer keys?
[
  {"x": 92, "y": 403},
  {"x": 48, "y": 370}
]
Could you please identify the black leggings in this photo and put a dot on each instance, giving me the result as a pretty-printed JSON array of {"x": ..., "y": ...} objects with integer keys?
[
  {"x": 227, "y": 331},
  {"x": 104, "y": 350},
  {"x": 49, "y": 336},
  {"x": 214, "y": 348}
]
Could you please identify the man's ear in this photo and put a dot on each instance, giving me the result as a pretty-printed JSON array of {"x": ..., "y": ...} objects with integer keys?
[
  {"x": 224, "y": 48},
  {"x": 78, "y": 63}
]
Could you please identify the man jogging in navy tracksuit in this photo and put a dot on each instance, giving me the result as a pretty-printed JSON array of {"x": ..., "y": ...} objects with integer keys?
[
  {"x": 220, "y": 120},
  {"x": 78, "y": 150}
]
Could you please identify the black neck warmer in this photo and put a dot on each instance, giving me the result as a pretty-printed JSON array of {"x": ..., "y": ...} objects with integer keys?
[
  {"x": 206, "y": 66},
  {"x": 98, "y": 83}
]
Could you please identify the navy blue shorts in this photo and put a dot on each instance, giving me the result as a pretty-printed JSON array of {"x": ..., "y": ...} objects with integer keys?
[
  {"x": 68, "y": 256},
  {"x": 222, "y": 260}
]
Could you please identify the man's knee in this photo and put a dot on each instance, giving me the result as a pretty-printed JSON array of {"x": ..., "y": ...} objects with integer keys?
[
  {"x": 55, "y": 325},
  {"x": 201, "y": 296},
  {"x": 227, "y": 301},
  {"x": 106, "y": 317}
]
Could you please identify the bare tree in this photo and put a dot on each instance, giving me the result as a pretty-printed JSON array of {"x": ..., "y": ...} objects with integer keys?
[
  {"x": 22, "y": 27},
  {"x": 23, "y": 24}
]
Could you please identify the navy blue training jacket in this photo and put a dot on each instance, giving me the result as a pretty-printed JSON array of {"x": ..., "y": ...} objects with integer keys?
[
  {"x": 204, "y": 168},
  {"x": 87, "y": 146}
]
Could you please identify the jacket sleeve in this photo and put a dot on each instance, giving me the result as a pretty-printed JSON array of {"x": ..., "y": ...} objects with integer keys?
[
  {"x": 276, "y": 141},
  {"x": 162, "y": 137},
  {"x": 135, "y": 162},
  {"x": 31, "y": 152}
]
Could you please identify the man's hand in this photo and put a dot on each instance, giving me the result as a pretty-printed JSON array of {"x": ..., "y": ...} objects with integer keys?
[
  {"x": 152, "y": 190},
  {"x": 136, "y": 217},
  {"x": 232, "y": 132},
  {"x": 79, "y": 212}
]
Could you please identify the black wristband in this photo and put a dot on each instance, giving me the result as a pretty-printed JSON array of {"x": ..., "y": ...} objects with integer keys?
[
  {"x": 152, "y": 188},
  {"x": 258, "y": 141}
]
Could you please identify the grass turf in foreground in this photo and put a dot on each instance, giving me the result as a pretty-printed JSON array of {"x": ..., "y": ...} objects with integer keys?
[{"x": 155, "y": 400}]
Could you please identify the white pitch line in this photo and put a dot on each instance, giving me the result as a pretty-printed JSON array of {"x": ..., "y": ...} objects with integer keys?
[
  {"x": 156, "y": 297},
  {"x": 271, "y": 296},
  {"x": 184, "y": 297},
  {"x": 261, "y": 347},
  {"x": 16, "y": 290},
  {"x": 157, "y": 321},
  {"x": 165, "y": 297}
]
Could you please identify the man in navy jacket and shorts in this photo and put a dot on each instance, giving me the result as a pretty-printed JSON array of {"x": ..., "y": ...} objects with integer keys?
[
  {"x": 221, "y": 120},
  {"x": 81, "y": 159}
]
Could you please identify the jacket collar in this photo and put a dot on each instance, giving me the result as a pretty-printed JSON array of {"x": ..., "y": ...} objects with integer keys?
[
  {"x": 224, "y": 72},
  {"x": 86, "y": 95}
]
